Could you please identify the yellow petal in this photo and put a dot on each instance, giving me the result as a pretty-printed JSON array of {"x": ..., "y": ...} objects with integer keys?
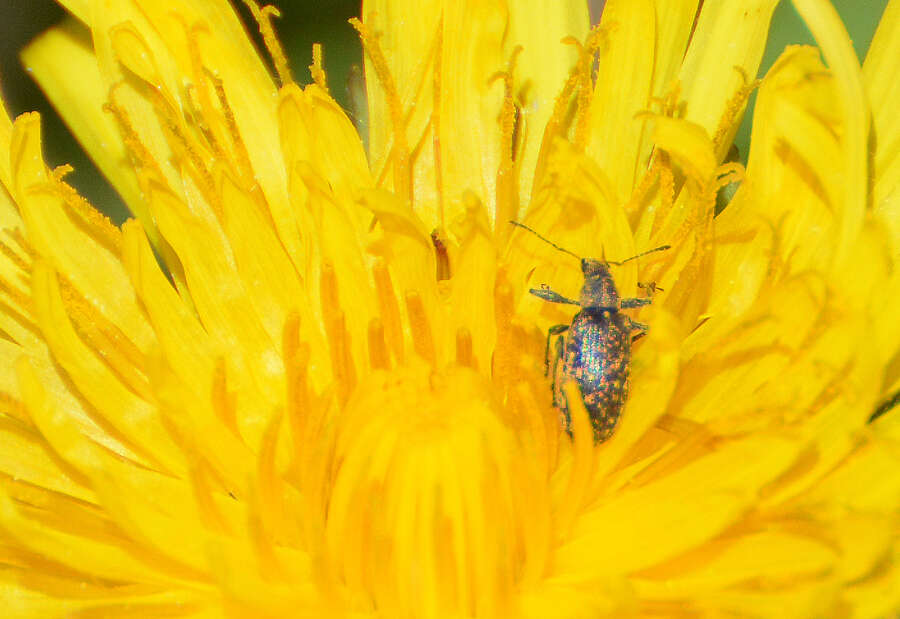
[
  {"x": 63, "y": 63},
  {"x": 623, "y": 89},
  {"x": 724, "y": 55},
  {"x": 543, "y": 66},
  {"x": 826, "y": 26},
  {"x": 882, "y": 63}
]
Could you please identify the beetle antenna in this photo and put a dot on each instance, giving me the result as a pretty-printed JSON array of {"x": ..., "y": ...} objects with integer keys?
[
  {"x": 643, "y": 253},
  {"x": 546, "y": 240}
]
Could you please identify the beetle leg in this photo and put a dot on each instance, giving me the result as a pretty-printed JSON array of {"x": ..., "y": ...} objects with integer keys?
[
  {"x": 629, "y": 303},
  {"x": 552, "y": 331},
  {"x": 554, "y": 297},
  {"x": 633, "y": 324}
]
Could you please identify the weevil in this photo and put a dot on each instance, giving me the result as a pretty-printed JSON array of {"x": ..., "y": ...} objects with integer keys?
[{"x": 595, "y": 349}]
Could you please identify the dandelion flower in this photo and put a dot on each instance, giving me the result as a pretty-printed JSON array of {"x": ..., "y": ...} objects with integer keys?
[{"x": 307, "y": 379}]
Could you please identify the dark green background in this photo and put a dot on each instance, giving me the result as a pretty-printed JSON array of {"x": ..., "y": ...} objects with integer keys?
[{"x": 304, "y": 22}]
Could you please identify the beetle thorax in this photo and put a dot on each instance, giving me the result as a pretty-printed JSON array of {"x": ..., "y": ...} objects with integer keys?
[{"x": 599, "y": 290}]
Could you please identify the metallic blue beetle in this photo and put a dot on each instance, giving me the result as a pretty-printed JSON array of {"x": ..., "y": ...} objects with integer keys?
[{"x": 596, "y": 351}]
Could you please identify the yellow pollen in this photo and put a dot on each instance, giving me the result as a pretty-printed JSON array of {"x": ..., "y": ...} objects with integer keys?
[
  {"x": 89, "y": 219},
  {"x": 140, "y": 156},
  {"x": 121, "y": 355},
  {"x": 223, "y": 401},
  {"x": 379, "y": 357},
  {"x": 734, "y": 107},
  {"x": 336, "y": 331},
  {"x": 14, "y": 409},
  {"x": 389, "y": 309},
  {"x": 263, "y": 17},
  {"x": 401, "y": 157},
  {"x": 420, "y": 327},
  {"x": 507, "y": 181},
  {"x": 464, "y": 348},
  {"x": 316, "y": 70}
]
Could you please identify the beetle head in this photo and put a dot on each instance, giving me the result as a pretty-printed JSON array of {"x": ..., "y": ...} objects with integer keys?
[{"x": 599, "y": 289}]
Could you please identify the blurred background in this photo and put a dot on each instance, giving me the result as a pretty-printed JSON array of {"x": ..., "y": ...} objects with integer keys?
[{"x": 304, "y": 22}]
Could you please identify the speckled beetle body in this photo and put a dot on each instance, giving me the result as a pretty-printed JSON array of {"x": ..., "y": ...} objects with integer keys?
[{"x": 595, "y": 348}]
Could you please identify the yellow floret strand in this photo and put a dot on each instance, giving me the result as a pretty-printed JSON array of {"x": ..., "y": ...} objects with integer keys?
[
  {"x": 263, "y": 17},
  {"x": 400, "y": 149},
  {"x": 316, "y": 70}
]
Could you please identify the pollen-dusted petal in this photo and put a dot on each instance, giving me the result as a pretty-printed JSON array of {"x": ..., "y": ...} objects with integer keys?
[
  {"x": 222, "y": 301},
  {"x": 86, "y": 263},
  {"x": 272, "y": 282},
  {"x": 172, "y": 318},
  {"x": 723, "y": 56},
  {"x": 201, "y": 44},
  {"x": 544, "y": 63},
  {"x": 623, "y": 88},
  {"x": 315, "y": 130},
  {"x": 123, "y": 409},
  {"x": 674, "y": 25},
  {"x": 408, "y": 33},
  {"x": 882, "y": 63},
  {"x": 62, "y": 61},
  {"x": 472, "y": 52}
]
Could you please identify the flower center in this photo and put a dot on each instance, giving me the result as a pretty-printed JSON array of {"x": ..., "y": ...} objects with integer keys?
[{"x": 425, "y": 467}]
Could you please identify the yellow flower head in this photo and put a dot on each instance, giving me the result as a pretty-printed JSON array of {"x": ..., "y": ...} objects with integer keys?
[{"x": 308, "y": 380}]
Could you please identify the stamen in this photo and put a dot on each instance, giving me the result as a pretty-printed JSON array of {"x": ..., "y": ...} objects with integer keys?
[
  {"x": 22, "y": 242},
  {"x": 561, "y": 104},
  {"x": 464, "y": 354},
  {"x": 263, "y": 18},
  {"x": 224, "y": 403},
  {"x": 338, "y": 339},
  {"x": 269, "y": 566},
  {"x": 190, "y": 150},
  {"x": 585, "y": 84},
  {"x": 316, "y": 70},
  {"x": 507, "y": 185},
  {"x": 14, "y": 409},
  {"x": 666, "y": 190},
  {"x": 24, "y": 321},
  {"x": 296, "y": 367},
  {"x": 119, "y": 353},
  {"x": 245, "y": 169},
  {"x": 733, "y": 108},
  {"x": 423, "y": 342},
  {"x": 379, "y": 357},
  {"x": 210, "y": 514},
  {"x": 17, "y": 260},
  {"x": 728, "y": 173},
  {"x": 97, "y": 225},
  {"x": 402, "y": 180},
  {"x": 389, "y": 309},
  {"x": 502, "y": 362},
  {"x": 139, "y": 154},
  {"x": 271, "y": 492}
]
